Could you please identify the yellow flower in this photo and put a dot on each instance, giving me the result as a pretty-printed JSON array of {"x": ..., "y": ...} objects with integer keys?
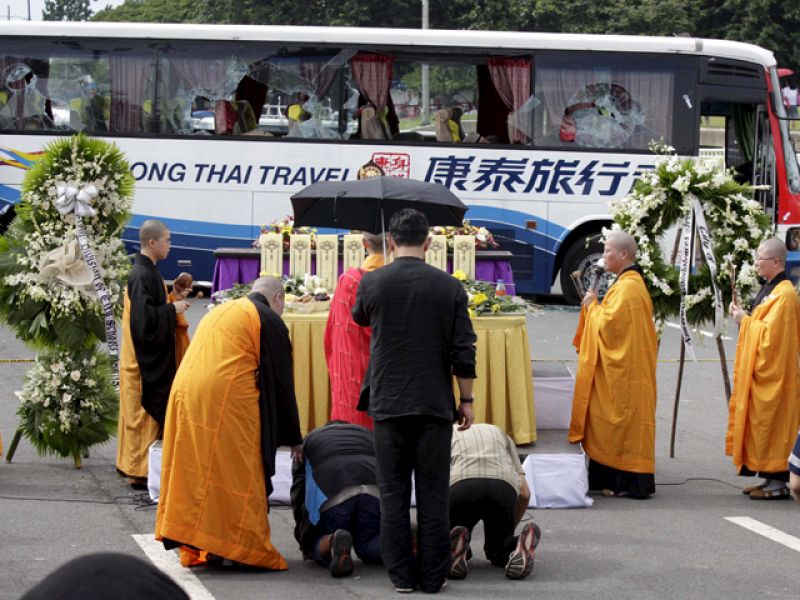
[
  {"x": 460, "y": 275},
  {"x": 471, "y": 313},
  {"x": 479, "y": 298},
  {"x": 495, "y": 308}
]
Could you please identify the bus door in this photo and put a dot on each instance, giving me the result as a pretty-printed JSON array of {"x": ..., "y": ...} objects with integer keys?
[
  {"x": 749, "y": 151},
  {"x": 764, "y": 164}
]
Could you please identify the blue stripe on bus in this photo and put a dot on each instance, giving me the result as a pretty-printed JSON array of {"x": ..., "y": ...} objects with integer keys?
[
  {"x": 199, "y": 228},
  {"x": 14, "y": 156},
  {"x": 9, "y": 194}
]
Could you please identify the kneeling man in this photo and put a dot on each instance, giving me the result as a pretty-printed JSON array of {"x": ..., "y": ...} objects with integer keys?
[
  {"x": 487, "y": 484},
  {"x": 335, "y": 497}
]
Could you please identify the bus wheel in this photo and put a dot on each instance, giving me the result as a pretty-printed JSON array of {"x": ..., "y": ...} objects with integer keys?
[{"x": 580, "y": 257}]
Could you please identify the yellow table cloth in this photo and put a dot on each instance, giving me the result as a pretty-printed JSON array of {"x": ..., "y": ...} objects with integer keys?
[{"x": 503, "y": 390}]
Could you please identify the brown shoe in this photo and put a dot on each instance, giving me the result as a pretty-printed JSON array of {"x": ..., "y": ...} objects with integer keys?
[
  {"x": 779, "y": 494},
  {"x": 752, "y": 488}
]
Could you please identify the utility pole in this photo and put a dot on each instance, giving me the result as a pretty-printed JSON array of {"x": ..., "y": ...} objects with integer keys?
[
  {"x": 29, "y": 10},
  {"x": 426, "y": 88}
]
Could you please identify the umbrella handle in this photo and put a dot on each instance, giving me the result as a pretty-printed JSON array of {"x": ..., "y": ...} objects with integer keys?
[{"x": 383, "y": 235}]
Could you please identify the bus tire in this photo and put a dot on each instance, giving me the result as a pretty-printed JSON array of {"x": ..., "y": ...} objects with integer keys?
[{"x": 579, "y": 257}]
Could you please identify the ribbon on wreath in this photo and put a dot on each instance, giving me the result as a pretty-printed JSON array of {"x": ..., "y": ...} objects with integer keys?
[
  {"x": 72, "y": 199},
  {"x": 695, "y": 221},
  {"x": 76, "y": 200}
]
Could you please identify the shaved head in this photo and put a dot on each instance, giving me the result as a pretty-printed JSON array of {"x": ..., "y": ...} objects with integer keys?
[
  {"x": 267, "y": 286},
  {"x": 151, "y": 230},
  {"x": 272, "y": 289},
  {"x": 374, "y": 242},
  {"x": 773, "y": 248},
  {"x": 622, "y": 240}
]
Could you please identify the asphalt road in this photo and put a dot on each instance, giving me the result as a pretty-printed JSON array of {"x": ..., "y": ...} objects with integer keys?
[{"x": 678, "y": 544}]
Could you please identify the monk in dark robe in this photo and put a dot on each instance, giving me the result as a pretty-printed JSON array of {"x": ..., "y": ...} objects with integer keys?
[
  {"x": 764, "y": 406},
  {"x": 346, "y": 343},
  {"x": 232, "y": 404},
  {"x": 147, "y": 356},
  {"x": 614, "y": 403}
]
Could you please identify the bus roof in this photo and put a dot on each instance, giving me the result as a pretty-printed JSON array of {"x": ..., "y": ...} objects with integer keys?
[{"x": 349, "y": 36}]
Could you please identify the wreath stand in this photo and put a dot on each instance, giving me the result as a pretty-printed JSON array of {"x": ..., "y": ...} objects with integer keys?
[
  {"x": 12, "y": 449},
  {"x": 726, "y": 380}
]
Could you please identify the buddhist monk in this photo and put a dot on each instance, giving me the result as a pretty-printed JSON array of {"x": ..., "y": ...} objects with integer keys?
[
  {"x": 614, "y": 404},
  {"x": 346, "y": 343},
  {"x": 232, "y": 404},
  {"x": 148, "y": 357},
  {"x": 764, "y": 406},
  {"x": 181, "y": 288}
]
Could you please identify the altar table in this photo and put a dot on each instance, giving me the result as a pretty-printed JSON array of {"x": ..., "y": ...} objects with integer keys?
[
  {"x": 242, "y": 265},
  {"x": 503, "y": 389}
]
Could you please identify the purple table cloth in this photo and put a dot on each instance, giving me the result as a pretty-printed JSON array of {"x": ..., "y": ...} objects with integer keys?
[{"x": 229, "y": 270}]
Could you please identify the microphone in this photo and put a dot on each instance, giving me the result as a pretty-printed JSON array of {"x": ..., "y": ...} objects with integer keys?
[{"x": 598, "y": 269}]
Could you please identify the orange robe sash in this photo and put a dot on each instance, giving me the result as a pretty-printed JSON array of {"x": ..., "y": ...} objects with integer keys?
[
  {"x": 213, "y": 493},
  {"x": 136, "y": 429},
  {"x": 614, "y": 402},
  {"x": 764, "y": 410}
]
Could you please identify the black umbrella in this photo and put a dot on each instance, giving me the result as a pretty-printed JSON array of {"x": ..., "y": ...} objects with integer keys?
[{"x": 368, "y": 204}]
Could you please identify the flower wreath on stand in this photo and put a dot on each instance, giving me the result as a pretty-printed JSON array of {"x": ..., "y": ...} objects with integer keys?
[
  {"x": 63, "y": 268},
  {"x": 661, "y": 199}
]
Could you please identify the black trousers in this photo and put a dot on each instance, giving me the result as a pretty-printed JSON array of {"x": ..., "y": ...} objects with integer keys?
[
  {"x": 492, "y": 501},
  {"x": 418, "y": 445},
  {"x": 777, "y": 476},
  {"x": 361, "y": 516}
]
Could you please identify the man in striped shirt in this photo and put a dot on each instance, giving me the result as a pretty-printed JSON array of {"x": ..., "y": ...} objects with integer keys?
[
  {"x": 794, "y": 470},
  {"x": 487, "y": 484}
]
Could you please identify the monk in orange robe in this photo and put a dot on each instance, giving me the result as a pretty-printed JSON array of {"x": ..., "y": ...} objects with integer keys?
[
  {"x": 181, "y": 288},
  {"x": 154, "y": 326},
  {"x": 764, "y": 407},
  {"x": 614, "y": 403},
  {"x": 346, "y": 343},
  {"x": 232, "y": 403}
]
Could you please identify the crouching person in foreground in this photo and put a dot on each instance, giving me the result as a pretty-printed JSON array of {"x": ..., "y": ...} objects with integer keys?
[
  {"x": 232, "y": 404},
  {"x": 335, "y": 497},
  {"x": 487, "y": 483}
]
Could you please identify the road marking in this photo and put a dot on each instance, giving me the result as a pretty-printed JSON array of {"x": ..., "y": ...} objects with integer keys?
[
  {"x": 168, "y": 562},
  {"x": 776, "y": 535},
  {"x": 704, "y": 333}
]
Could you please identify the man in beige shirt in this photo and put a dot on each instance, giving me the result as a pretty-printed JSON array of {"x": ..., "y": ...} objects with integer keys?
[{"x": 487, "y": 484}]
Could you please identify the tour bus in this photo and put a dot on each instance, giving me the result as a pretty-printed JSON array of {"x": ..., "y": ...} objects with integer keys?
[{"x": 535, "y": 132}]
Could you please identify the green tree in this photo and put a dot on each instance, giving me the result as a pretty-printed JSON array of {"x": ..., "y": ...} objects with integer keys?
[
  {"x": 773, "y": 24},
  {"x": 151, "y": 11},
  {"x": 66, "y": 10}
]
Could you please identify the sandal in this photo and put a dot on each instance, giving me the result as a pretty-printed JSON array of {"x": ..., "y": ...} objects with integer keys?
[
  {"x": 752, "y": 488},
  {"x": 779, "y": 494}
]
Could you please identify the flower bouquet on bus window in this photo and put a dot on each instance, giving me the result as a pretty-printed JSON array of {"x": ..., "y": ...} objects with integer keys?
[
  {"x": 483, "y": 298},
  {"x": 484, "y": 240},
  {"x": 286, "y": 228}
]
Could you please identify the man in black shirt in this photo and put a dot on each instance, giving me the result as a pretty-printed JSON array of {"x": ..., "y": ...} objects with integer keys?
[{"x": 421, "y": 338}]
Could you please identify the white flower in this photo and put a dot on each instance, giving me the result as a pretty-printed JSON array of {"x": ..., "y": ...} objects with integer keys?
[{"x": 75, "y": 375}]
